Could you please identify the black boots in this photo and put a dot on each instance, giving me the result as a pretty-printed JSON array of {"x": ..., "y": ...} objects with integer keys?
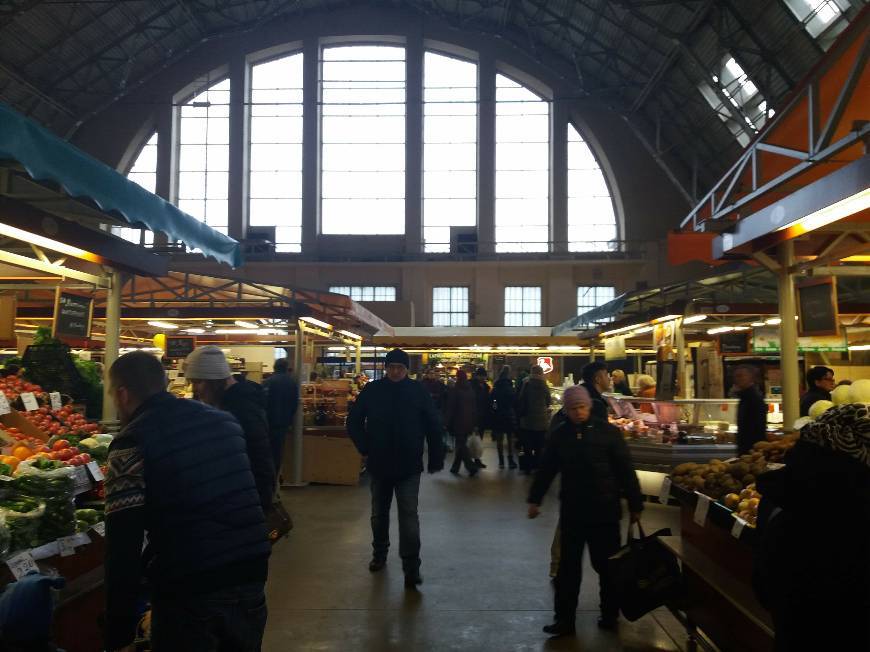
[
  {"x": 413, "y": 579},
  {"x": 511, "y": 463},
  {"x": 377, "y": 564},
  {"x": 560, "y": 628},
  {"x": 500, "y": 461}
]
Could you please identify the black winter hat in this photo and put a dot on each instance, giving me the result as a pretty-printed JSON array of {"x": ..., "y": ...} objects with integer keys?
[{"x": 397, "y": 356}]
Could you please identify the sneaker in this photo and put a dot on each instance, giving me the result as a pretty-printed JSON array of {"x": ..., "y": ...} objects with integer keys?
[
  {"x": 559, "y": 628},
  {"x": 377, "y": 564},
  {"x": 413, "y": 579}
]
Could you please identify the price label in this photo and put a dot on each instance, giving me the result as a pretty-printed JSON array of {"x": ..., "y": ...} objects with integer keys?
[
  {"x": 81, "y": 480},
  {"x": 50, "y": 549},
  {"x": 29, "y": 400},
  {"x": 4, "y": 404},
  {"x": 665, "y": 491},
  {"x": 21, "y": 564},
  {"x": 737, "y": 528},
  {"x": 702, "y": 509},
  {"x": 56, "y": 403},
  {"x": 94, "y": 470},
  {"x": 67, "y": 546},
  {"x": 100, "y": 528},
  {"x": 81, "y": 539}
]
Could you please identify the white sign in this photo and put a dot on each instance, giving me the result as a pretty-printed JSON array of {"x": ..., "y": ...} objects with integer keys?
[
  {"x": 738, "y": 526},
  {"x": 546, "y": 363},
  {"x": 21, "y": 564},
  {"x": 614, "y": 348},
  {"x": 67, "y": 546},
  {"x": 100, "y": 528},
  {"x": 4, "y": 404},
  {"x": 50, "y": 549},
  {"x": 81, "y": 539},
  {"x": 665, "y": 491},
  {"x": 29, "y": 400},
  {"x": 56, "y": 403},
  {"x": 702, "y": 508},
  {"x": 95, "y": 471},
  {"x": 82, "y": 482}
]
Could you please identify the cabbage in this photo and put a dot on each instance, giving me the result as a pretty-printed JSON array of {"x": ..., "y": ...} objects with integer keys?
[
  {"x": 860, "y": 391},
  {"x": 841, "y": 395},
  {"x": 819, "y": 407}
]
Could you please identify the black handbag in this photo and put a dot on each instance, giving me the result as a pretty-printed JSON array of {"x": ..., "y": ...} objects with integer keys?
[
  {"x": 278, "y": 521},
  {"x": 644, "y": 575}
]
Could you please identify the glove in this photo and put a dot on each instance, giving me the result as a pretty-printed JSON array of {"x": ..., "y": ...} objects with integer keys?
[{"x": 435, "y": 467}]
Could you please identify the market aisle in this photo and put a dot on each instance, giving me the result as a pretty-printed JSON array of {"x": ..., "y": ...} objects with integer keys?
[{"x": 485, "y": 568}]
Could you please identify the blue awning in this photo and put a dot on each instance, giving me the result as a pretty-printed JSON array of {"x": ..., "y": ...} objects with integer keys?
[{"x": 47, "y": 157}]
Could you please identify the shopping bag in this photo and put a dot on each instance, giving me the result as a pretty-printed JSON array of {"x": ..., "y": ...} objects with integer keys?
[
  {"x": 475, "y": 446},
  {"x": 278, "y": 521},
  {"x": 644, "y": 575}
]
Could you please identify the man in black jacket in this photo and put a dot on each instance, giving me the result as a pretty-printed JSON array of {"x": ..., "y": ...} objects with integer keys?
[
  {"x": 388, "y": 423},
  {"x": 179, "y": 471},
  {"x": 282, "y": 401},
  {"x": 596, "y": 471},
  {"x": 751, "y": 410},
  {"x": 596, "y": 380},
  {"x": 820, "y": 384}
]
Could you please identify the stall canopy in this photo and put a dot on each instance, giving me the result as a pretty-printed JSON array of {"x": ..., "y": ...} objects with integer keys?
[
  {"x": 48, "y": 158},
  {"x": 434, "y": 337}
]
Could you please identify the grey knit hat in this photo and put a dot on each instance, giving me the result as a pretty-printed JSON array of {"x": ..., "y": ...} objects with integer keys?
[{"x": 207, "y": 363}]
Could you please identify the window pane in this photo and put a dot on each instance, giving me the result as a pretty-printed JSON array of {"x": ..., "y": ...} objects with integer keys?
[
  {"x": 366, "y": 292},
  {"x": 450, "y": 306},
  {"x": 363, "y": 131},
  {"x": 590, "y": 297},
  {"x": 522, "y": 306},
  {"x": 591, "y": 218}
]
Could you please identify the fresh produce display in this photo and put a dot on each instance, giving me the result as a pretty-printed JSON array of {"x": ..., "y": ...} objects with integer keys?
[
  {"x": 14, "y": 386},
  {"x": 745, "y": 504},
  {"x": 85, "y": 518},
  {"x": 818, "y": 408},
  {"x": 23, "y": 516},
  {"x": 60, "y": 422},
  {"x": 53, "y": 482}
]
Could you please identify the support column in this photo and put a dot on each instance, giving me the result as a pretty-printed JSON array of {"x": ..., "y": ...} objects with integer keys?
[
  {"x": 358, "y": 360},
  {"x": 164, "y": 186},
  {"x": 310, "y": 146},
  {"x": 788, "y": 337},
  {"x": 680, "y": 346},
  {"x": 113, "y": 338},
  {"x": 486, "y": 156},
  {"x": 295, "y": 473},
  {"x": 559, "y": 178},
  {"x": 238, "y": 178},
  {"x": 414, "y": 143}
]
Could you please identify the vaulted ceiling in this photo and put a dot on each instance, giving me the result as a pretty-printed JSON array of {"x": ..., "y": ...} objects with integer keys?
[{"x": 62, "y": 61}]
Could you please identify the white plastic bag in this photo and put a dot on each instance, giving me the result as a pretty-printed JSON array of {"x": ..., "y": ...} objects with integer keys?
[{"x": 475, "y": 446}]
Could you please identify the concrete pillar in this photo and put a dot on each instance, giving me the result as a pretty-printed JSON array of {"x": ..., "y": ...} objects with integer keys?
[
  {"x": 113, "y": 338},
  {"x": 358, "y": 359},
  {"x": 294, "y": 476},
  {"x": 414, "y": 143},
  {"x": 559, "y": 178},
  {"x": 486, "y": 155},
  {"x": 310, "y": 146},
  {"x": 164, "y": 185},
  {"x": 788, "y": 337},
  {"x": 238, "y": 178}
]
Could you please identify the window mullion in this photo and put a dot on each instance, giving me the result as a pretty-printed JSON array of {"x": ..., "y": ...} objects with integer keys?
[
  {"x": 414, "y": 143},
  {"x": 486, "y": 156},
  {"x": 310, "y": 146},
  {"x": 238, "y": 188},
  {"x": 559, "y": 178}
]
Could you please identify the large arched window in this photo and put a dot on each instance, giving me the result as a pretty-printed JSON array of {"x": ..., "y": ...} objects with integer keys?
[
  {"x": 591, "y": 220},
  {"x": 144, "y": 173}
]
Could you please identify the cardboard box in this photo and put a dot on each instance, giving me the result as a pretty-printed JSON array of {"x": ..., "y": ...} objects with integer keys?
[
  {"x": 16, "y": 420},
  {"x": 330, "y": 460}
]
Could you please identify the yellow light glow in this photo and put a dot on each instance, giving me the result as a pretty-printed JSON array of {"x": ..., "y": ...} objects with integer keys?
[
  {"x": 48, "y": 243},
  {"x": 351, "y": 335},
  {"x": 163, "y": 324},
  {"x": 856, "y": 259},
  {"x": 773, "y": 321},
  {"x": 246, "y": 324},
  {"x": 316, "y": 322},
  {"x": 693, "y": 319},
  {"x": 829, "y": 214}
]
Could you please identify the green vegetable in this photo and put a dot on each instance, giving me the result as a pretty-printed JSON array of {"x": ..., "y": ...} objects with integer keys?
[
  {"x": 5, "y": 469},
  {"x": 90, "y": 516}
]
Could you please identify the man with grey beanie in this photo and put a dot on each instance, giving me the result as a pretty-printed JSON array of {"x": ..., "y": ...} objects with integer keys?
[{"x": 389, "y": 423}]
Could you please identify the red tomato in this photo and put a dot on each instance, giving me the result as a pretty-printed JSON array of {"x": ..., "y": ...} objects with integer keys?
[
  {"x": 60, "y": 444},
  {"x": 85, "y": 458}
]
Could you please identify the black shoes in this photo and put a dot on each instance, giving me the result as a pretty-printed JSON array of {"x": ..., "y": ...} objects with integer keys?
[
  {"x": 511, "y": 463},
  {"x": 413, "y": 579},
  {"x": 377, "y": 564},
  {"x": 454, "y": 471},
  {"x": 608, "y": 623},
  {"x": 480, "y": 464},
  {"x": 473, "y": 472},
  {"x": 559, "y": 628}
]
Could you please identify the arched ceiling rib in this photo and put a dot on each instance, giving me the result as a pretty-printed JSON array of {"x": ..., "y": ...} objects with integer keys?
[{"x": 61, "y": 62}]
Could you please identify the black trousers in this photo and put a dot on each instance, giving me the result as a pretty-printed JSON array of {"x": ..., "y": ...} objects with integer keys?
[
  {"x": 407, "y": 491},
  {"x": 461, "y": 455},
  {"x": 532, "y": 442},
  {"x": 603, "y": 541}
]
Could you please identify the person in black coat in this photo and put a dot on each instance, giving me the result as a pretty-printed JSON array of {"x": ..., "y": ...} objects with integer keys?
[
  {"x": 820, "y": 384},
  {"x": 620, "y": 384},
  {"x": 504, "y": 418},
  {"x": 596, "y": 380},
  {"x": 812, "y": 567},
  {"x": 484, "y": 405},
  {"x": 389, "y": 423},
  {"x": 597, "y": 471},
  {"x": 751, "y": 410},
  {"x": 282, "y": 401}
]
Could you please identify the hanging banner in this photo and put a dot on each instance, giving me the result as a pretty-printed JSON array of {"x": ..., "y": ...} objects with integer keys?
[
  {"x": 663, "y": 340},
  {"x": 766, "y": 340},
  {"x": 614, "y": 348}
]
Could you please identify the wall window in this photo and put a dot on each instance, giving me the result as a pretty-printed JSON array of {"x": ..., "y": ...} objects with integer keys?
[
  {"x": 736, "y": 99},
  {"x": 589, "y": 297},
  {"x": 449, "y": 148},
  {"x": 363, "y": 150},
  {"x": 276, "y": 150},
  {"x": 144, "y": 173},
  {"x": 203, "y": 155},
  {"x": 591, "y": 219},
  {"x": 366, "y": 292},
  {"x": 522, "y": 164},
  {"x": 522, "y": 306},
  {"x": 823, "y": 19},
  {"x": 450, "y": 306}
]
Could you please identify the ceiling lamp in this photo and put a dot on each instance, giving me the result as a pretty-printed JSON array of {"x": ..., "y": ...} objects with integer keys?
[
  {"x": 246, "y": 324},
  {"x": 720, "y": 329},
  {"x": 693, "y": 319},
  {"x": 773, "y": 321},
  {"x": 316, "y": 322},
  {"x": 163, "y": 324}
]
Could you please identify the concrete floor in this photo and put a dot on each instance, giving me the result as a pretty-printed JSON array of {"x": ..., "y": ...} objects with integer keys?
[{"x": 485, "y": 567}]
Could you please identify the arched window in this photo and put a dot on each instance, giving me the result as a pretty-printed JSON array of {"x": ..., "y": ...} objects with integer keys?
[
  {"x": 522, "y": 166},
  {"x": 363, "y": 147},
  {"x": 143, "y": 172},
  {"x": 449, "y": 148},
  {"x": 275, "y": 158},
  {"x": 203, "y": 155},
  {"x": 591, "y": 220}
]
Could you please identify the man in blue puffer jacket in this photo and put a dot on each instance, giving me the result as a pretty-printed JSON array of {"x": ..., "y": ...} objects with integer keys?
[{"x": 179, "y": 470}]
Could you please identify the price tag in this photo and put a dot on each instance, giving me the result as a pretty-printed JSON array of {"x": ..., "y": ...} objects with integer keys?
[
  {"x": 4, "y": 404},
  {"x": 81, "y": 539},
  {"x": 21, "y": 564},
  {"x": 56, "y": 403},
  {"x": 50, "y": 549},
  {"x": 100, "y": 528},
  {"x": 773, "y": 466},
  {"x": 94, "y": 470},
  {"x": 67, "y": 546},
  {"x": 82, "y": 482},
  {"x": 665, "y": 491},
  {"x": 29, "y": 400},
  {"x": 702, "y": 509},
  {"x": 737, "y": 528}
]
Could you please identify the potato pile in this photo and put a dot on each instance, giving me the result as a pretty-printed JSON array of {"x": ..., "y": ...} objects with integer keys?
[
  {"x": 774, "y": 451},
  {"x": 717, "y": 478}
]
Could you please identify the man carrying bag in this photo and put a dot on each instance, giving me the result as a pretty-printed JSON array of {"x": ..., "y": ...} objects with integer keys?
[{"x": 596, "y": 471}]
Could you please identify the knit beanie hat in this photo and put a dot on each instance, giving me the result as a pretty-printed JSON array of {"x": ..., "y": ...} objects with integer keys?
[
  {"x": 397, "y": 356},
  {"x": 576, "y": 394},
  {"x": 207, "y": 363}
]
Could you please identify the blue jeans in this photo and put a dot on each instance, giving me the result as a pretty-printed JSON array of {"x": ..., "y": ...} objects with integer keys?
[
  {"x": 406, "y": 491},
  {"x": 227, "y": 620}
]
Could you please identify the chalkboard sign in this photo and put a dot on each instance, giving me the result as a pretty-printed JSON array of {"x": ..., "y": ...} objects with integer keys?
[
  {"x": 179, "y": 346},
  {"x": 817, "y": 306},
  {"x": 72, "y": 315},
  {"x": 734, "y": 342}
]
